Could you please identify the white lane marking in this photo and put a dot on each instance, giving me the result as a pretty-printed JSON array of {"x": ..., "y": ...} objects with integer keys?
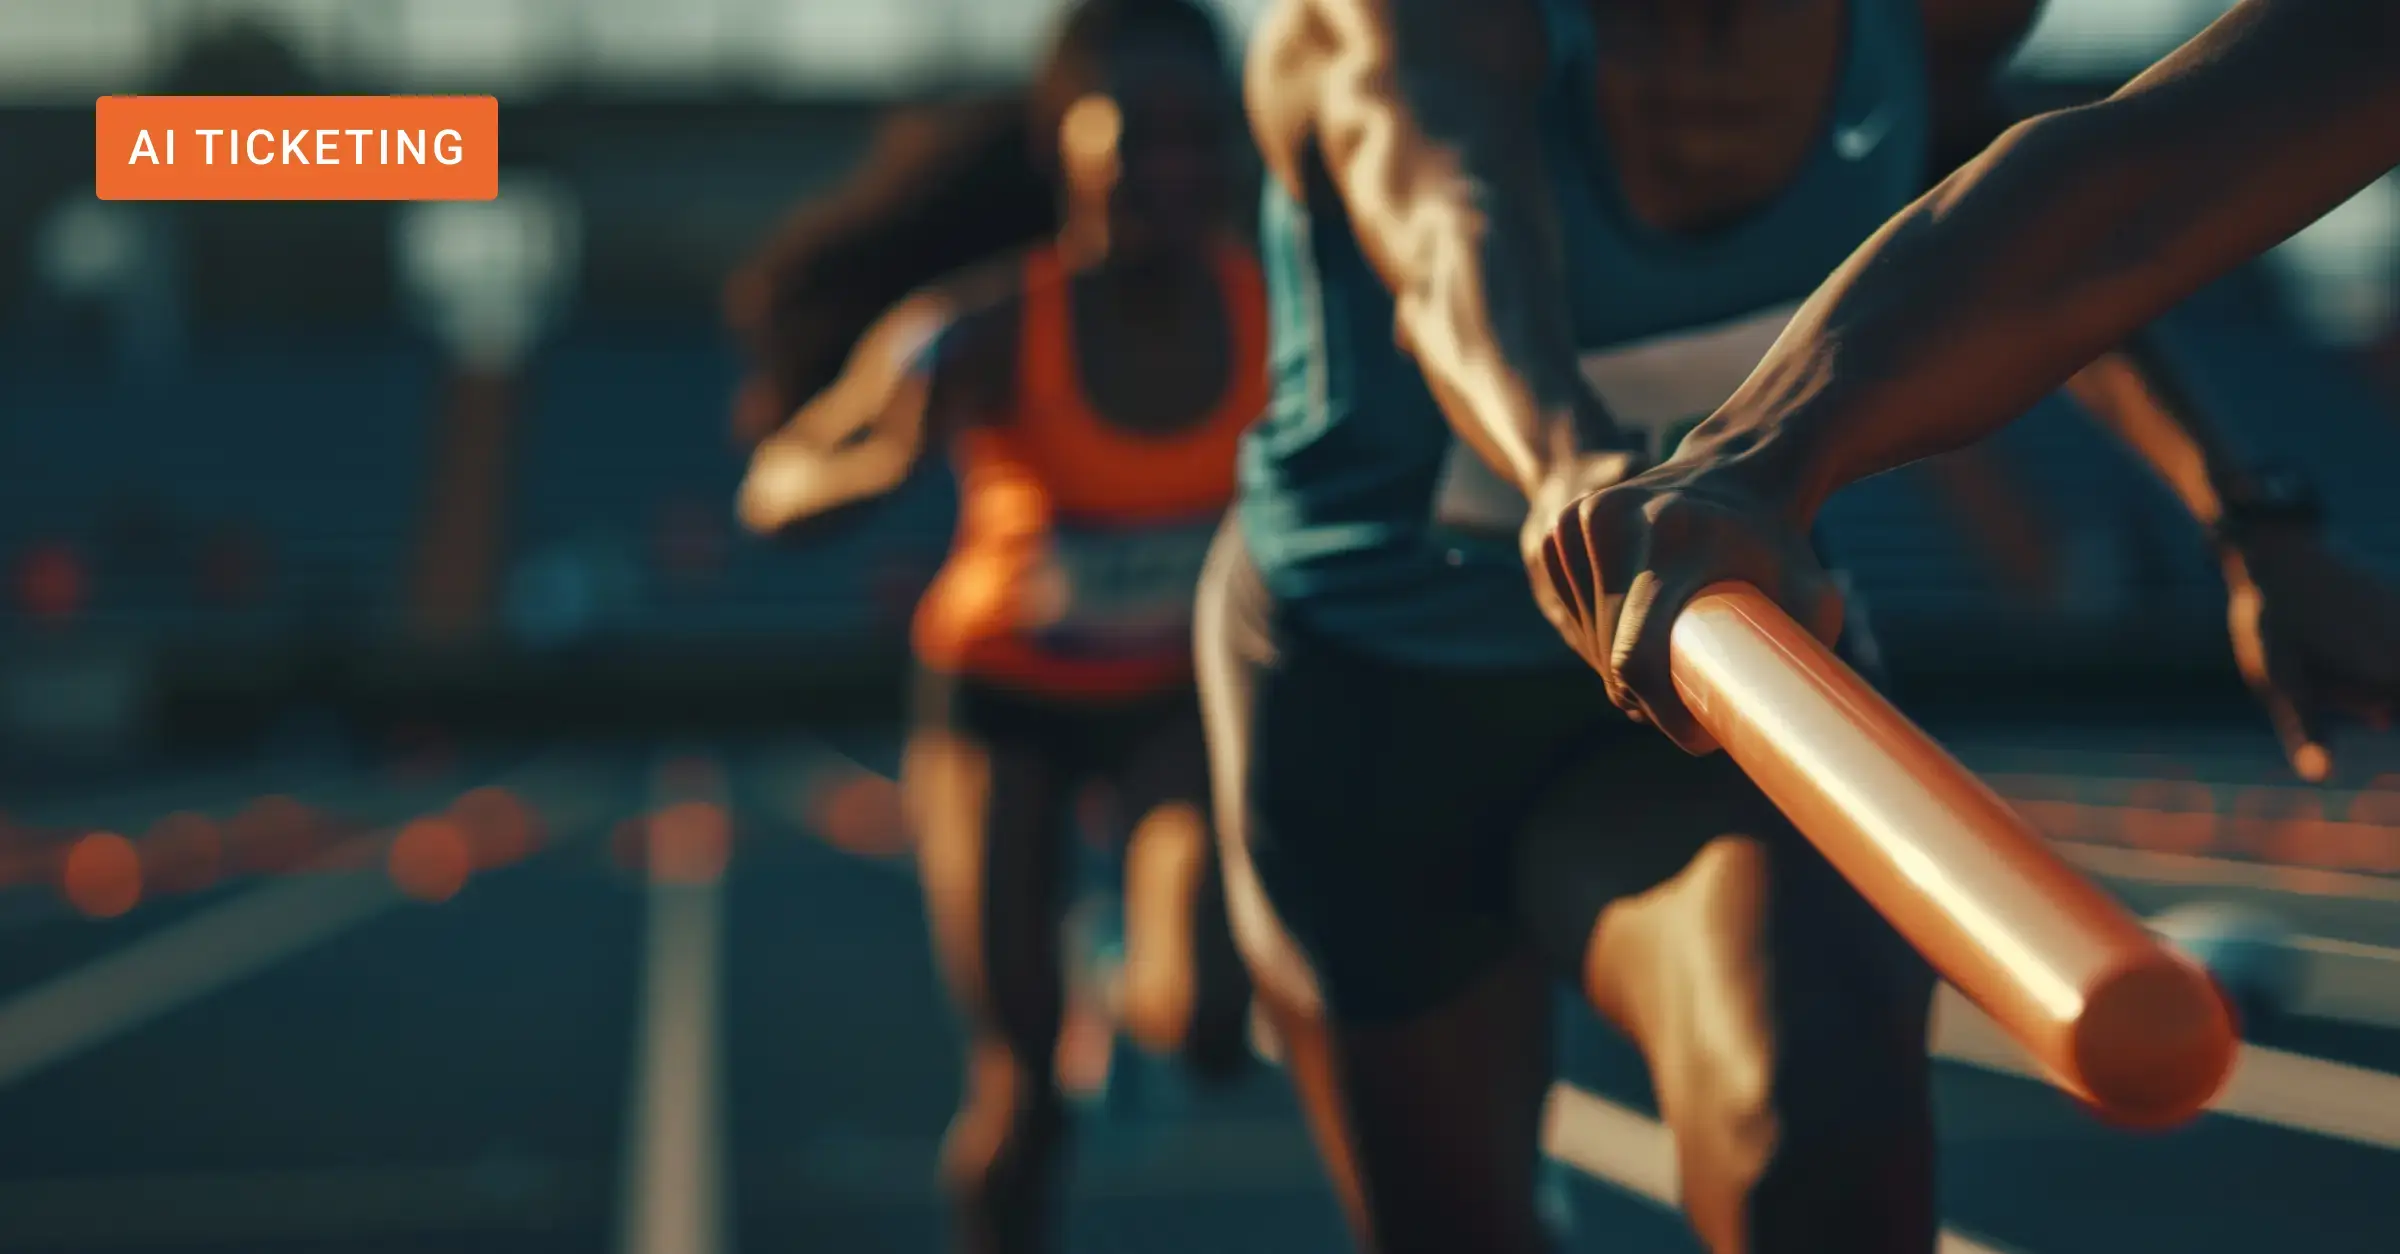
[
  {"x": 2142, "y": 866},
  {"x": 2269, "y": 1086},
  {"x": 180, "y": 965},
  {"x": 186, "y": 961},
  {"x": 1637, "y": 1153},
  {"x": 2350, "y": 982},
  {"x": 2330, "y": 947},
  {"x": 676, "y": 1195},
  {"x": 2346, "y": 980}
]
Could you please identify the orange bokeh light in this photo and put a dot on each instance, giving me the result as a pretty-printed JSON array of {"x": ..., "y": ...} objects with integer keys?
[
  {"x": 500, "y": 828},
  {"x": 51, "y": 585},
  {"x": 860, "y": 814},
  {"x": 689, "y": 842},
  {"x": 431, "y": 859},
  {"x": 102, "y": 875}
]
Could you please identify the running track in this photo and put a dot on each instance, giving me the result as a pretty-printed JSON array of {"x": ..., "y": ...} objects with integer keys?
[{"x": 676, "y": 1024}]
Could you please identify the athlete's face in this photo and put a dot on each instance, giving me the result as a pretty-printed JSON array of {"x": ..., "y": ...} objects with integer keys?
[{"x": 1165, "y": 122}]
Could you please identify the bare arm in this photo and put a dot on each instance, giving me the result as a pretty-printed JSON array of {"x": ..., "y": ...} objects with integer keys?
[
  {"x": 923, "y": 370},
  {"x": 2135, "y": 394},
  {"x": 1423, "y": 114},
  {"x": 2074, "y": 230},
  {"x": 2133, "y": 390}
]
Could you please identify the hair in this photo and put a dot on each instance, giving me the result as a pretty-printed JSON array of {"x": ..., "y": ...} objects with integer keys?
[
  {"x": 1092, "y": 30},
  {"x": 943, "y": 187}
]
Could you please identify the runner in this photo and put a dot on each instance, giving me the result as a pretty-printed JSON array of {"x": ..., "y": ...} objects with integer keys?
[
  {"x": 1091, "y": 392},
  {"x": 1516, "y": 250}
]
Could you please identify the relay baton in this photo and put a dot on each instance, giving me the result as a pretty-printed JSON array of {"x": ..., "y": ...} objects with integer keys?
[{"x": 2114, "y": 1016}]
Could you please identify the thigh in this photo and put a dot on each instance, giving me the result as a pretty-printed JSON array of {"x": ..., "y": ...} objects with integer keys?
[
  {"x": 988, "y": 793},
  {"x": 1423, "y": 1071},
  {"x": 1184, "y": 976}
]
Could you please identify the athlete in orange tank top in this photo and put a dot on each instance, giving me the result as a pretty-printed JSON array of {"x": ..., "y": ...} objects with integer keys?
[
  {"x": 1090, "y": 395},
  {"x": 1079, "y": 541}
]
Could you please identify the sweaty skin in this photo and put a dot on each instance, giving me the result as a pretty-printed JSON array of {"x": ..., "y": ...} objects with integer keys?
[
  {"x": 1423, "y": 116},
  {"x": 2071, "y": 232},
  {"x": 1423, "y": 113}
]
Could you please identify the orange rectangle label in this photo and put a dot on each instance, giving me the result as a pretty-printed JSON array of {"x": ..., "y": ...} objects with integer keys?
[{"x": 296, "y": 147}]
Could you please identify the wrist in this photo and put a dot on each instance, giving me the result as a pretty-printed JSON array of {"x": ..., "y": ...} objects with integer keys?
[
  {"x": 1763, "y": 463},
  {"x": 2269, "y": 508}
]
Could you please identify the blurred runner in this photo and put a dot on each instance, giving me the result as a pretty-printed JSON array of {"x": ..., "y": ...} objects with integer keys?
[
  {"x": 1516, "y": 251},
  {"x": 1091, "y": 391},
  {"x": 944, "y": 186},
  {"x": 2069, "y": 234}
]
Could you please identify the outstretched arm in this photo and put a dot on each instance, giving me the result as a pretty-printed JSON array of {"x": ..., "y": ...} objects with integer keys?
[
  {"x": 2071, "y": 232},
  {"x": 859, "y": 438},
  {"x": 925, "y": 369},
  {"x": 2313, "y": 635}
]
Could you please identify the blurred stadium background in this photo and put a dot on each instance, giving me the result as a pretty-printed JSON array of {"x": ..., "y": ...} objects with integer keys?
[{"x": 383, "y": 684}]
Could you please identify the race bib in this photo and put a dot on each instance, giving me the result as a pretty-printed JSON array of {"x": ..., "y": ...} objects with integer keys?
[
  {"x": 1658, "y": 389},
  {"x": 1123, "y": 590}
]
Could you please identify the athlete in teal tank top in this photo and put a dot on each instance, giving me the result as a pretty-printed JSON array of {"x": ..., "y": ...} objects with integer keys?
[
  {"x": 1513, "y": 248},
  {"x": 1370, "y": 521}
]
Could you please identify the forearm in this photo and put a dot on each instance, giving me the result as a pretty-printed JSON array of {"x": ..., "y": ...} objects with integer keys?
[
  {"x": 862, "y": 437},
  {"x": 1482, "y": 314},
  {"x": 793, "y": 480},
  {"x": 2071, "y": 232},
  {"x": 1426, "y": 127},
  {"x": 2134, "y": 393}
]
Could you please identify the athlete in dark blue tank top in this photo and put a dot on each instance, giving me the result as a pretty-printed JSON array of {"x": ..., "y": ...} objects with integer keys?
[
  {"x": 1376, "y": 524},
  {"x": 1514, "y": 249},
  {"x": 1515, "y": 246}
]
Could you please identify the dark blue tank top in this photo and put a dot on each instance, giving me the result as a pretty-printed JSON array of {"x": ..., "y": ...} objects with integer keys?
[{"x": 1370, "y": 521}]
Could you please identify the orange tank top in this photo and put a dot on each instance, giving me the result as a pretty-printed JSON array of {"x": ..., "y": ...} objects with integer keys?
[{"x": 1079, "y": 543}]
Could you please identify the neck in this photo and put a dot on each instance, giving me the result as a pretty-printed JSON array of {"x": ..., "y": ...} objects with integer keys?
[
  {"x": 1143, "y": 284},
  {"x": 1083, "y": 240}
]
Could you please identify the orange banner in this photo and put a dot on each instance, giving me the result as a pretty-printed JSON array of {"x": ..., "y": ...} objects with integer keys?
[{"x": 296, "y": 147}]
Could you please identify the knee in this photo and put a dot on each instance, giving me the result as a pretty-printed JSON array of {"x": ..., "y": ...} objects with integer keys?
[
  {"x": 1851, "y": 1170},
  {"x": 1157, "y": 1011},
  {"x": 1278, "y": 971},
  {"x": 1205, "y": 1026},
  {"x": 1725, "y": 1117},
  {"x": 1822, "y": 1153},
  {"x": 1011, "y": 1117}
]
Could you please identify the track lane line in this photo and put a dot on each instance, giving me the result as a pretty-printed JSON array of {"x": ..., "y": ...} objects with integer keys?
[
  {"x": 186, "y": 961},
  {"x": 676, "y": 1192}
]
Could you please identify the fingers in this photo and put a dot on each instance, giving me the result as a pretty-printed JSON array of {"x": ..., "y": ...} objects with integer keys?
[
  {"x": 2296, "y": 714},
  {"x": 2303, "y": 737},
  {"x": 1552, "y": 591},
  {"x": 1642, "y": 659}
]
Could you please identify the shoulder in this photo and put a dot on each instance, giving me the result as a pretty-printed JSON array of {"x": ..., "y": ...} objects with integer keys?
[{"x": 1310, "y": 56}]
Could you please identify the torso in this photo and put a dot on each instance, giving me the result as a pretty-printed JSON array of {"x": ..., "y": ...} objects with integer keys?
[
  {"x": 1091, "y": 490},
  {"x": 1705, "y": 180}
]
